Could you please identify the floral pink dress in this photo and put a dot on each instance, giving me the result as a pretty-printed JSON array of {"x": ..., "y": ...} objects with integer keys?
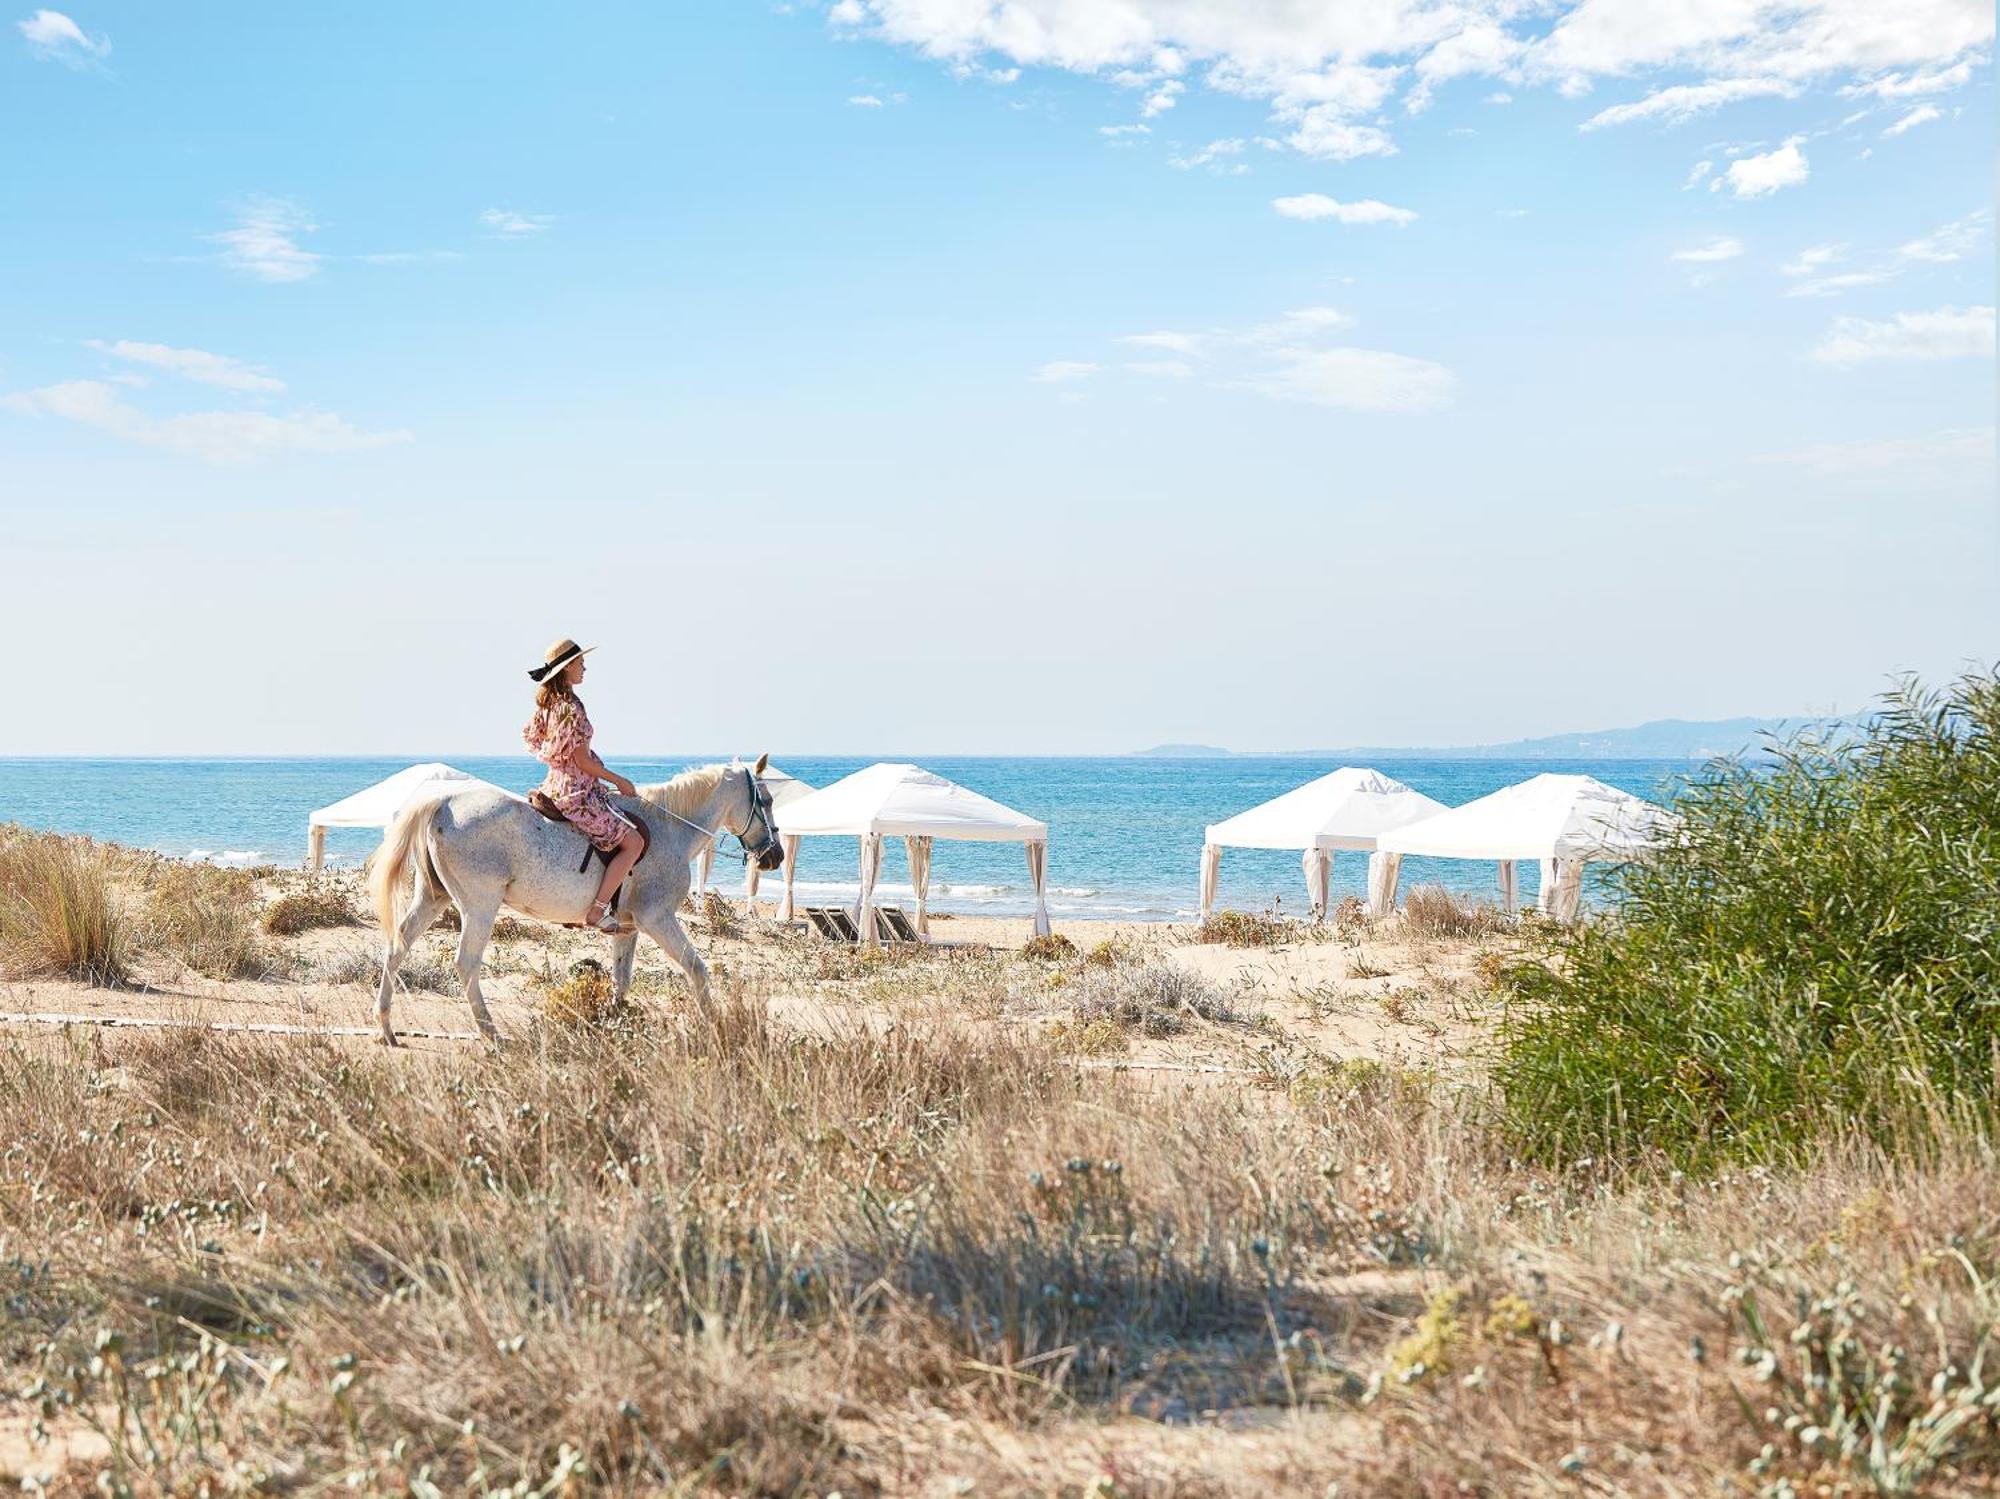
[{"x": 559, "y": 735}]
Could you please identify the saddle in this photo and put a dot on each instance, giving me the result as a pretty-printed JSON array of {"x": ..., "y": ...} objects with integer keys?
[{"x": 543, "y": 803}]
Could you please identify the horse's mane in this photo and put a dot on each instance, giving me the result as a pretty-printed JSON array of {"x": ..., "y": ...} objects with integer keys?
[{"x": 688, "y": 792}]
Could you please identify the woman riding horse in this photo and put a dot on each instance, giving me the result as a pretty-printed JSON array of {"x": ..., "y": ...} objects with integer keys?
[{"x": 559, "y": 734}]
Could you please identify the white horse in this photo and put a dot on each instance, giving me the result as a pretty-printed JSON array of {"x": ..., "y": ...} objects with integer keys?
[{"x": 481, "y": 849}]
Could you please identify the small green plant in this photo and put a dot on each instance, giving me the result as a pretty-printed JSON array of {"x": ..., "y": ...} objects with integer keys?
[
  {"x": 720, "y": 916},
  {"x": 60, "y": 910},
  {"x": 1052, "y": 947},
  {"x": 583, "y": 998}
]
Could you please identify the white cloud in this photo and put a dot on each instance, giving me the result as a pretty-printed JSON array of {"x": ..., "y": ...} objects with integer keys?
[
  {"x": 1951, "y": 242},
  {"x": 864, "y": 101},
  {"x": 52, "y": 34},
  {"x": 1177, "y": 343},
  {"x": 1923, "y": 114},
  {"x": 1301, "y": 324},
  {"x": 1357, "y": 380},
  {"x": 1695, "y": 173},
  {"x": 191, "y": 364},
  {"x": 1063, "y": 372},
  {"x": 1168, "y": 369},
  {"x": 504, "y": 223},
  {"x": 1325, "y": 72},
  {"x": 1213, "y": 156},
  {"x": 1942, "y": 246},
  {"x": 1123, "y": 135},
  {"x": 227, "y": 438},
  {"x": 1760, "y": 176},
  {"x": 1500, "y": 97},
  {"x": 1162, "y": 99},
  {"x": 265, "y": 244},
  {"x": 1311, "y": 206},
  {"x": 1721, "y": 247},
  {"x": 1322, "y": 133},
  {"x": 1953, "y": 446},
  {"x": 1947, "y": 333},
  {"x": 1684, "y": 101},
  {"x": 1911, "y": 85}
]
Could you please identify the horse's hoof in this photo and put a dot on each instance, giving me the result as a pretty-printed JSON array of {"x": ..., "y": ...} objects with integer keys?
[{"x": 388, "y": 1039}]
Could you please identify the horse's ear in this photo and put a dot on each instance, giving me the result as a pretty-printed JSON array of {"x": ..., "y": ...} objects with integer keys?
[{"x": 762, "y": 761}]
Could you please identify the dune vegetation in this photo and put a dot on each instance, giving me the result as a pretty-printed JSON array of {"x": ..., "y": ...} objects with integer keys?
[{"x": 1716, "y": 1208}]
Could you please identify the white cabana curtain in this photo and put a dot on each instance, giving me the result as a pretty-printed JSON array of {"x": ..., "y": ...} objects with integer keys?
[
  {"x": 1510, "y": 886},
  {"x": 1561, "y": 894},
  {"x": 871, "y": 870},
  {"x": 1038, "y": 871},
  {"x": 1211, "y": 870},
  {"x": 918, "y": 850},
  {"x": 1318, "y": 865},
  {"x": 1383, "y": 871},
  {"x": 790, "y": 843}
]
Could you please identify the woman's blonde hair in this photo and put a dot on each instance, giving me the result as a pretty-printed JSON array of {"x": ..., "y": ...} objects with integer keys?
[{"x": 554, "y": 691}]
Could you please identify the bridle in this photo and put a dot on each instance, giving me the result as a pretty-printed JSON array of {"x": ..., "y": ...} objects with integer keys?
[{"x": 760, "y": 815}]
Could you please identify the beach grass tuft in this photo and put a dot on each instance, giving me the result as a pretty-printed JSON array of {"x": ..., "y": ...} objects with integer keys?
[
  {"x": 319, "y": 903},
  {"x": 1249, "y": 929},
  {"x": 61, "y": 910},
  {"x": 1052, "y": 947},
  {"x": 205, "y": 917},
  {"x": 1433, "y": 911}
]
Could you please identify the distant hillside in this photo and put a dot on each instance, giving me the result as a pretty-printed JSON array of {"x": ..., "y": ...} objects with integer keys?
[
  {"x": 1183, "y": 752},
  {"x": 1663, "y": 739}
]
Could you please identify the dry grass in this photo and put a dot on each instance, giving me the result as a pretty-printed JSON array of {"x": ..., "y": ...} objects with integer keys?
[
  {"x": 746, "y": 1261},
  {"x": 1155, "y": 997},
  {"x": 320, "y": 903},
  {"x": 1243, "y": 929},
  {"x": 1433, "y": 911},
  {"x": 61, "y": 913},
  {"x": 205, "y": 918},
  {"x": 1052, "y": 948},
  {"x": 720, "y": 916}
]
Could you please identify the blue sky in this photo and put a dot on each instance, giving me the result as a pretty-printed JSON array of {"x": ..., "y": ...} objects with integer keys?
[{"x": 953, "y": 376}]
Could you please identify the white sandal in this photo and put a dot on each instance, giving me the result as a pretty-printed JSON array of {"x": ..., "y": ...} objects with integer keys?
[{"x": 608, "y": 922}]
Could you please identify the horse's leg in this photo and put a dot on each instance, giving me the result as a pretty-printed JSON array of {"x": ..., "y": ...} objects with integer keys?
[
  {"x": 430, "y": 900},
  {"x": 475, "y": 932},
  {"x": 665, "y": 928},
  {"x": 624, "y": 949}
]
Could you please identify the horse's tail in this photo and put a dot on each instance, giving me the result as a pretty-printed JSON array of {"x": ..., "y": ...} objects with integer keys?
[{"x": 388, "y": 865}]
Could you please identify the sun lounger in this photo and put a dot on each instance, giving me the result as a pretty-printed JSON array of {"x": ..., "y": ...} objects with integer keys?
[
  {"x": 896, "y": 925},
  {"x": 823, "y": 922}
]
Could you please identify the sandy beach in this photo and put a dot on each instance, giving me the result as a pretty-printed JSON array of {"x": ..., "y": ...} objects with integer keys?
[{"x": 1333, "y": 993}]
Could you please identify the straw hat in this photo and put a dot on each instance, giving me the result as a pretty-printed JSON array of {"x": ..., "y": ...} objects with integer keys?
[{"x": 559, "y": 655}]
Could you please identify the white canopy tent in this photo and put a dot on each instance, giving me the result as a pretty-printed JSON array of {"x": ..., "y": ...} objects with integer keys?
[
  {"x": 1348, "y": 809},
  {"x": 908, "y": 802},
  {"x": 376, "y": 806},
  {"x": 785, "y": 789},
  {"x": 1562, "y": 820}
]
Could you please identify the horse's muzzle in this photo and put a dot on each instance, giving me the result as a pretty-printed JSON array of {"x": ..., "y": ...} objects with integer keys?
[{"x": 772, "y": 857}]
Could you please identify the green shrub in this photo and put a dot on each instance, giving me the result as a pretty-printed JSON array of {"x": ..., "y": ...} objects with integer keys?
[
  {"x": 1243, "y": 929},
  {"x": 1819, "y": 948},
  {"x": 60, "y": 914},
  {"x": 1054, "y": 947}
]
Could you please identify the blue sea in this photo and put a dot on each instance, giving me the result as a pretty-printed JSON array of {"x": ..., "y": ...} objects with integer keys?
[{"x": 1124, "y": 833}]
